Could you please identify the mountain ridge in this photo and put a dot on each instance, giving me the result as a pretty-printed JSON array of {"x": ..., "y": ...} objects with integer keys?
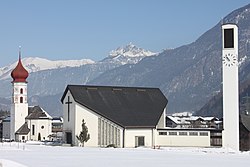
[
  {"x": 35, "y": 64},
  {"x": 128, "y": 54}
]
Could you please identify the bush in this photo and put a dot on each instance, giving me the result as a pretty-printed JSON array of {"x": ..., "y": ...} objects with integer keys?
[{"x": 111, "y": 145}]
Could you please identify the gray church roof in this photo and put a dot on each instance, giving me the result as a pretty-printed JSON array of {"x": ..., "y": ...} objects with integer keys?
[
  {"x": 36, "y": 112},
  {"x": 125, "y": 106},
  {"x": 23, "y": 130}
]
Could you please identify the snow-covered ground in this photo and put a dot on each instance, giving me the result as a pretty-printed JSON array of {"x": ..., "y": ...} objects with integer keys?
[{"x": 24, "y": 155}]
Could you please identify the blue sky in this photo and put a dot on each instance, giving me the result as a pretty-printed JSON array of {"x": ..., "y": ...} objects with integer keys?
[{"x": 77, "y": 29}]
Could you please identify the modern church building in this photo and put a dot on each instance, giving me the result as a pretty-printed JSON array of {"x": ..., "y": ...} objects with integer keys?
[{"x": 124, "y": 117}]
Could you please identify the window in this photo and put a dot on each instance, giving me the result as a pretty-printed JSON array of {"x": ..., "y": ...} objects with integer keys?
[
  {"x": 115, "y": 135},
  {"x": 203, "y": 133},
  {"x": 99, "y": 131},
  {"x": 42, "y": 127},
  {"x": 21, "y": 91},
  {"x": 118, "y": 137},
  {"x": 21, "y": 99},
  {"x": 23, "y": 137},
  {"x": 108, "y": 133},
  {"x": 102, "y": 134},
  {"x": 229, "y": 38},
  {"x": 183, "y": 133},
  {"x": 173, "y": 133},
  {"x": 193, "y": 133},
  {"x": 163, "y": 133},
  {"x": 105, "y": 133},
  {"x": 33, "y": 129}
]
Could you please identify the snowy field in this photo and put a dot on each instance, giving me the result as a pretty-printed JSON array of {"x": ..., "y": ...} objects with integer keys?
[{"x": 25, "y": 155}]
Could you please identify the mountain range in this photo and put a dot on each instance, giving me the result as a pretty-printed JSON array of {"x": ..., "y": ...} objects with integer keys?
[
  {"x": 189, "y": 75},
  {"x": 48, "y": 79}
]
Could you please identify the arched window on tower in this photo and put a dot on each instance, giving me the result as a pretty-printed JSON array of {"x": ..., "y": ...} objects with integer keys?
[
  {"x": 21, "y": 91},
  {"x": 21, "y": 99}
]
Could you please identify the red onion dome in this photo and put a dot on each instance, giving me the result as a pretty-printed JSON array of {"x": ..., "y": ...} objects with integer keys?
[{"x": 19, "y": 74}]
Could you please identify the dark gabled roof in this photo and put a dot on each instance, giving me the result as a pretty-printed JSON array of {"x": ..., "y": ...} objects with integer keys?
[
  {"x": 23, "y": 130},
  {"x": 245, "y": 120},
  {"x": 37, "y": 113},
  {"x": 126, "y": 106}
]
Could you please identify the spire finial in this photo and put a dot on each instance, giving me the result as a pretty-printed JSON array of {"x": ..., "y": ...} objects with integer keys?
[{"x": 19, "y": 52}]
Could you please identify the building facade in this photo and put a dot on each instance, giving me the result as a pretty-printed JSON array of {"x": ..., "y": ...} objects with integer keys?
[
  {"x": 26, "y": 123},
  {"x": 128, "y": 117},
  {"x": 120, "y": 116}
]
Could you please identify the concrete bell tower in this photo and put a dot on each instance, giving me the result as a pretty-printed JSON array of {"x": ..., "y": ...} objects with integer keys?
[
  {"x": 230, "y": 134},
  {"x": 19, "y": 104}
]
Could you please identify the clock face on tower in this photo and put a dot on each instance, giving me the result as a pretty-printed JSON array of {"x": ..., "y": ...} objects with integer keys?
[{"x": 229, "y": 59}]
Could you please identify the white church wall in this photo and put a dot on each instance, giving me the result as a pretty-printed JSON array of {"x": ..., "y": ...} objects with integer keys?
[
  {"x": 161, "y": 123},
  {"x": 74, "y": 124},
  {"x": 183, "y": 138},
  {"x": 69, "y": 123},
  {"x": 42, "y": 126},
  {"x": 91, "y": 120},
  {"x": 22, "y": 137},
  {"x": 121, "y": 138},
  {"x": 18, "y": 114},
  {"x": 132, "y": 134}
]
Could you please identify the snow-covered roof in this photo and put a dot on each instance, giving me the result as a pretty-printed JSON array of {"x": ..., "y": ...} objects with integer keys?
[
  {"x": 210, "y": 118},
  {"x": 178, "y": 120},
  {"x": 187, "y": 120},
  {"x": 57, "y": 120}
]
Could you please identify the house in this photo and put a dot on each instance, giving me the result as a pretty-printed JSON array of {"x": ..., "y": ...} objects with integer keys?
[
  {"x": 192, "y": 122},
  {"x": 121, "y": 116},
  {"x": 57, "y": 129},
  {"x": 6, "y": 129},
  {"x": 193, "y": 131}
]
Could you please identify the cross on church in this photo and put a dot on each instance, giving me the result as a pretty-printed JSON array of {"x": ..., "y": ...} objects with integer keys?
[{"x": 68, "y": 102}]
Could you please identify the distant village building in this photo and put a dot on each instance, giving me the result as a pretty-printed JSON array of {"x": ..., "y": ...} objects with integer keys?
[
  {"x": 183, "y": 128},
  {"x": 57, "y": 129},
  {"x": 6, "y": 128}
]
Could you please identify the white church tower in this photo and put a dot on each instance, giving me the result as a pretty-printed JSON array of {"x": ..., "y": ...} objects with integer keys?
[
  {"x": 230, "y": 135},
  {"x": 19, "y": 104}
]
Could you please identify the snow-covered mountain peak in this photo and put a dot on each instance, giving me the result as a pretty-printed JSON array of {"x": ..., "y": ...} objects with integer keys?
[
  {"x": 130, "y": 50},
  {"x": 34, "y": 64}
]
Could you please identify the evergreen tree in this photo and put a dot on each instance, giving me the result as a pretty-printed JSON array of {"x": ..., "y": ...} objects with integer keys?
[{"x": 83, "y": 136}]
